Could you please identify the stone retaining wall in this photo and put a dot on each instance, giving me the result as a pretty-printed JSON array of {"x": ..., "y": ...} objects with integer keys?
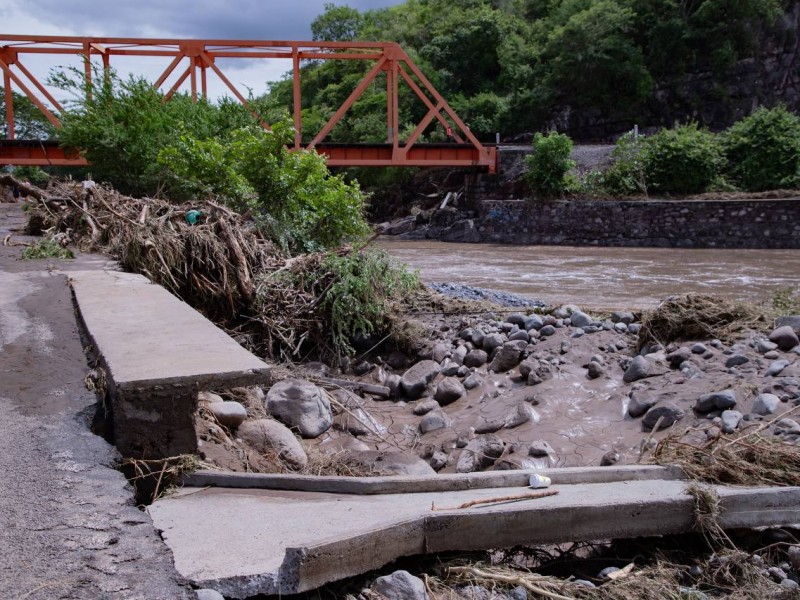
[{"x": 653, "y": 223}]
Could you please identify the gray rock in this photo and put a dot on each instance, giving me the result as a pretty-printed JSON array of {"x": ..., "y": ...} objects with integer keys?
[
  {"x": 517, "y": 319},
  {"x": 736, "y": 360},
  {"x": 506, "y": 359},
  {"x": 425, "y": 406},
  {"x": 485, "y": 425},
  {"x": 492, "y": 341},
  {"x": 640, "y": 368},
  {"x": 794, "y": 557},
  {"x": 679, "y": 356},
  {"x": 540, "y": 449},
  {"x": 584, "y": 583},
  {"x": 792, "y": 321},
  {"x": 397, "y": 360},
  {"x": 620, "y": 328},
  {"x": 518, "y": 593},
  {"x": 480, "y": 453},
  {"x": 266, "y": 435},
  {"x": 640, "y": 403},
  {"x": 520, "y": 335},
  {"x": 634, "y": 328},
  {"x": 475, "y": 358},
  {"x": 580, "y": 319},
  {"x": 578, "y": 333},
  {"x": 788, "y": 425},
  {"x": 699, "y": 348},
  {"x": 440, "y": 352},
  {"x": 523, "y": 413},
  {"x": 764, "y": 346},
  {"x": 716, "y": 401},
  {"x": 776, "y": 367},
  {"x": 528, "y": 365},
  {"x": 400, "y": 585},
  {"x": 609, "y": 458},
  {"x": 533, "y": 322},
  {"x": 784, "y": 337},
  {"x": 229, "y": 414},
  {"x": 595, "y": 370},
  {"x": 449, "y": 368},
  {"x": 472, "y": 381},
  {"x": 393, "y": 383},
  {"x": 789, "y": 584},
  {"x": 448, "y": 391},
  {"x": 622, "y": 317},
  {"x": 433, "y": 421},
  {"x": 772, "y": 354},
  {"x": 416, "y": 379},
  {"x": 671, "y": 413},
  {"x": 438, "y": 460},
  {"x": 730, "y": 420},
  {"x": 209, "y": 398},
  {"x": 766, "y": 404},
  {"x": 459, "y": 354},
  {"x": 388, "y": 463},
  {"x": 207, "y": 594},
  {"x": 301, "y": 405},
  {"x": 547, "y": 330}
]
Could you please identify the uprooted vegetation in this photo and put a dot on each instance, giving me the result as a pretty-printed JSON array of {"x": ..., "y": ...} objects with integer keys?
[{"x": 223, "y": 265}]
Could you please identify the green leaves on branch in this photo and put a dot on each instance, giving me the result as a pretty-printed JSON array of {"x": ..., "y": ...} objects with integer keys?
[
  {"x": 682, "y": 160},
  {"x": 548, "y": 165},
  {"x": 291, "y": 194},
  {"x": 763, "y": 150}
]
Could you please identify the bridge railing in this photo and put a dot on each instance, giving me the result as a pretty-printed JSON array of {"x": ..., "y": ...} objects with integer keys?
[{"x": 191, "y": 60}]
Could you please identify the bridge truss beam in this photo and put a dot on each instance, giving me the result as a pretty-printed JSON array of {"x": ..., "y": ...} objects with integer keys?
[{"x": 192, "y": 59}]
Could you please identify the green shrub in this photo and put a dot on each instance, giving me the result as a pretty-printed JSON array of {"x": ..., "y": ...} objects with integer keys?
[
  {"x": 548, "y": 165},
  {"x": 763, "y": 150},
  {"x": 294, "y": 198},
  {"x": 363, "y": 288},
  {"x": 46, "y": 248},
  {"x": 682, "y": 160},
  {"x": 626, "y": 175},
  {"x": 36, "y": 175}
]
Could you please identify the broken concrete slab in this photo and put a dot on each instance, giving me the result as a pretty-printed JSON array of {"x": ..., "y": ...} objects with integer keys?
[
  {"x": 283, "y": 542},
  {"x": 157, "y": 353},
  {"x": 398, "y": 484}
]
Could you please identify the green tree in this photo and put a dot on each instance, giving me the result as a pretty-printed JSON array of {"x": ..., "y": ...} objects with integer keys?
[
  {"x": 549, "y": 164},
  {"x": 763, "y": 150},
  {"x": 336, "y": 24},
  {"x": 682, "y": 160}
]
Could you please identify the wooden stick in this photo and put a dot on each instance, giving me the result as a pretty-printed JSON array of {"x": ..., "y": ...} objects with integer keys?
[
  {"x": 762, "y": 427},
  {"x": 509, "y": 579},
  {"x": 517, "y": 498},
  {"x": 27, "y": 189}
]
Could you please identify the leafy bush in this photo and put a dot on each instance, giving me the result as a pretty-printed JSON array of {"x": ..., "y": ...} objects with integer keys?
[
  {"x": 360, "y": 295},
  {"x": 549, "y": 163},
  {"x": 293, "y": 196},
  {"x": 682, "y": 160},
  {"x": 36, "y": 175},
  {"x": 46, "y": 248},
  {"x": 763, "y": 150},
  {"x": 626, "y": 175}
]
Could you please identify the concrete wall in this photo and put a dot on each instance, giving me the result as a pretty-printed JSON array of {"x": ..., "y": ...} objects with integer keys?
[{"x": 659, "y": 223}]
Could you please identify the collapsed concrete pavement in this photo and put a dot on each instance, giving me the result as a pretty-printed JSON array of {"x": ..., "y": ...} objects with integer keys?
[
  {"x": 285, "y": 541},
  {"x": 68, "y": 526}
]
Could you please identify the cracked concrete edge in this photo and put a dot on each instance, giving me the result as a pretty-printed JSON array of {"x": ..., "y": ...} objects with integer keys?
[
  {"x": 400, "y": 484},
  {"x": 308, "y": 568}
]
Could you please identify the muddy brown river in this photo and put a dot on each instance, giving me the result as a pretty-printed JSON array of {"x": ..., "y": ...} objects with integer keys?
[{"x": 602, "y": 277}]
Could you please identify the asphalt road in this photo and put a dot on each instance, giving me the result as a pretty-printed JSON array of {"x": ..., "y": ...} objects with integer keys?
[{"x": 68, "y": 526}]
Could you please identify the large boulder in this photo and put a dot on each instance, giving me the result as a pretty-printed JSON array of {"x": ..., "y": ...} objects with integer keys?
[
  {"x": 475, "y": 358},
  {"x": 507, "y": 358},
  {"x": 480, "y": 453},
  {"x": 416, "y": 379},
  {"x": 784, "y": 337},
  {"x": 523, "y": 413},
  {"x": 640, "y": 368},
  {"x": 434, "y": 420},
  {"x": 266, "y": 435},
  {"x": 668, "y": 412},
  {"x": 766, "y": 404},
  {"x": 229, "y": 414},
  {"x": 716, "y": 401},
  {"x": 400, "y": 585},
  {"x": 448, "y": 391},
  {"x": 301, "y": 405},
  {"x": 640, "y": 403}
]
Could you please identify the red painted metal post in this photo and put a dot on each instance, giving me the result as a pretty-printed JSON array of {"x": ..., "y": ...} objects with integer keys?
[
  {"x": 297, "y": 99},
  {"x": 10, "y": 129},
  {"x": 87, "y": 68}
]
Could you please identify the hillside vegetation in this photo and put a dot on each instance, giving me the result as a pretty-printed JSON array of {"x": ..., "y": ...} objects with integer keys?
[{"x": 509, "y": 66}]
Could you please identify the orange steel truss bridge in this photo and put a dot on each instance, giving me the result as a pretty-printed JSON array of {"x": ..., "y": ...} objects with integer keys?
[{"x": 192, "y": 60}]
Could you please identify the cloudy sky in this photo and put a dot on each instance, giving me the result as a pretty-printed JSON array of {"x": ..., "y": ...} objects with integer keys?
[{"x": 218, "y": 19}]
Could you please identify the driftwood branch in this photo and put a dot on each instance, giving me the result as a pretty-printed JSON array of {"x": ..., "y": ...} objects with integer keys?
[
  {"x": 25, "y": 188},
  {"x": 513, "y": 580},
  {"x": 515, "y": 498}
]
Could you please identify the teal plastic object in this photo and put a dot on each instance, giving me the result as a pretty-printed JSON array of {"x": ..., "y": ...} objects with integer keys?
[{"x": 192, "y": 216}]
